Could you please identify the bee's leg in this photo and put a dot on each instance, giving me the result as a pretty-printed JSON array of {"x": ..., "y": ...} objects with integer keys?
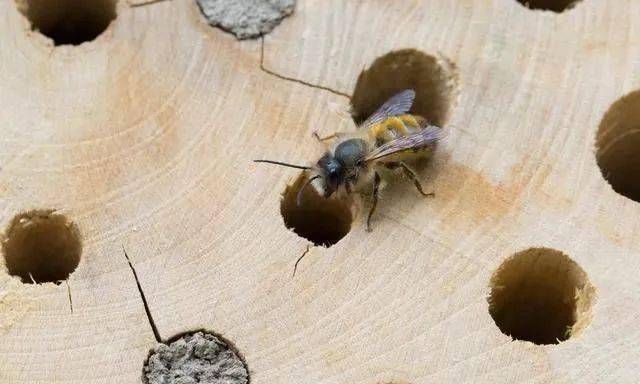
[
  {"x": 334, "y": 135},
  {"x": 376, "y": 187},
  {"x": 391, "y": 166},
  {"x": 413, "y": 177}
]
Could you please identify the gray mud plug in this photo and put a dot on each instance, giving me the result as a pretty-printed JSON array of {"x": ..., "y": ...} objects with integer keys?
[{"x": 246, "y": 19}]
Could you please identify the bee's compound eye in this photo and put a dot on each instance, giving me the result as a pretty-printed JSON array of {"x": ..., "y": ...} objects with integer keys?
[{"x": 333, "y": 179}]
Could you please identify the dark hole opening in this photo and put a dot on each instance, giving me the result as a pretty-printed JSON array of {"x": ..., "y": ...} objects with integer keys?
[
  {"x": 557, "y": 6},
  {"x": 69, "y": 22},
  {"x": 319, "y": 220},
  {"x": 434, "y": 80},
  {"x": 540, "y": 295},
  {"x": 41, "y": 246}
]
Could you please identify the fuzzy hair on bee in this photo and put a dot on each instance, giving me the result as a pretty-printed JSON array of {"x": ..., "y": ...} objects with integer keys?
[{"x": 386, "y": 141}]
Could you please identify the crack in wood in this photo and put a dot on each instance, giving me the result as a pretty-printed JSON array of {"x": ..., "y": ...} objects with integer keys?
[
  {"x": 133, "y": 4},
  {"x": 295, "y": 267},
  {"x": 282, "y": 77},
  {"x": 156, "y": 334},
  {"x": 69, "y": 293}
]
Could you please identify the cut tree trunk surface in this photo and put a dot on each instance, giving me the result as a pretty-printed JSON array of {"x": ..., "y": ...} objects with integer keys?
[{"x": 133, "y": 214}]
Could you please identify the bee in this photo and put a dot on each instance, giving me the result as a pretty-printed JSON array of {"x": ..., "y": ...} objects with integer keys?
[{"x": 383, "y": 143}]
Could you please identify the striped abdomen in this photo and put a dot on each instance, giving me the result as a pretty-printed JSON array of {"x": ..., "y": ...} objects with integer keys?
[
  {"x": 398, "y": 126},
  {"x": 395, "y": 127}
]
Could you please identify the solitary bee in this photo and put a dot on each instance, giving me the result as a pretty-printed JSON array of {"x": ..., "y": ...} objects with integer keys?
[{"x": 382, "y": 143}]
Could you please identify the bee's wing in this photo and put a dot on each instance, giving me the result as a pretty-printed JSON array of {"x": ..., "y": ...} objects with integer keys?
[
  {"x": 396, "y": 105},
  {"x": 428, "y": 136}
]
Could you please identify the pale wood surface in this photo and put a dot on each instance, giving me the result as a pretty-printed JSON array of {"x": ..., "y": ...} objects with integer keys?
[{"x": 144, "y": 139}]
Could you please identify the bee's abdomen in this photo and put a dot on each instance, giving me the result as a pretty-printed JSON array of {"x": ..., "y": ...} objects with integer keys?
[
  {"x": 395, "y": 127},
  {"x": 398, "y": 126}
]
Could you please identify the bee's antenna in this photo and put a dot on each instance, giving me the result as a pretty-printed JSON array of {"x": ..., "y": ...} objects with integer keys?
[
  {"x": 282, "y": 164},
  {"x": 299, "y": 196}
]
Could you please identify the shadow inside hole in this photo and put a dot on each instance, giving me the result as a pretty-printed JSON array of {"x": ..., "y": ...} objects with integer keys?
[
  {"x": 557, "y": 6},
  {"x": 69, "y": 22},
  {"x": 322, "y": 221},
  {"x": 540, "y": 295},
  {"x": 618, "y": 145},
  {"x": 198, "y": 355},
  {"x": 41, "y": 246},
  {"x": 434, "y": 80}
]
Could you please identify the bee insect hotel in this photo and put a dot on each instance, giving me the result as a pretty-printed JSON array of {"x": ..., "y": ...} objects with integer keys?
[{"x": 140, "y": 243}]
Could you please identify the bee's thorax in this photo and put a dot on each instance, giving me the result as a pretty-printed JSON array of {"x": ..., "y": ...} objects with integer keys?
[{"x": 351, "y": 152}]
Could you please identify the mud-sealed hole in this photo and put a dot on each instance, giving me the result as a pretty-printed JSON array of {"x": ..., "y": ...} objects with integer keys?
[
  {"x": 41, "y": 246},
  {"x": 195, "y": 357},
  {"x": 246, "y": 19},
  {"x": 434, "y": 79},
  {"x": 318, "y": 219},
  {"x": 69, "y": 22},
  {"x": 550, "y": 5},
  {"x": 541, "y": 295},
  {"x": 618, "y": 146}
]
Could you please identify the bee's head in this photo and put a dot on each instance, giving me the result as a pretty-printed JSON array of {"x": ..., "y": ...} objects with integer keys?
[{"x": 331, "y": 173}]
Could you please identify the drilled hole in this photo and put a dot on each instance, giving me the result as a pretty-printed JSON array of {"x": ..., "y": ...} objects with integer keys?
[
  {"x": 195, "y": 357},
  {"x": 434, "y": 79},
  {"x": 618, "y": 145},
  {"x": 323, "y": 221},
  {"x": 41, "y": 246},
  {"x": 541, "y": 295},
  {"x": 549, "y": 5},
  {"x": 71, "y": 22}
]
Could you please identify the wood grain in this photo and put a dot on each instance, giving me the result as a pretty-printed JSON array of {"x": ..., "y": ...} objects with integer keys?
[{"x": 144, "y": 139}]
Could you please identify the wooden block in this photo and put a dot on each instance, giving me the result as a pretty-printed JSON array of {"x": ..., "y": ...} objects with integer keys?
[{"x": 140, "y": 135}]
